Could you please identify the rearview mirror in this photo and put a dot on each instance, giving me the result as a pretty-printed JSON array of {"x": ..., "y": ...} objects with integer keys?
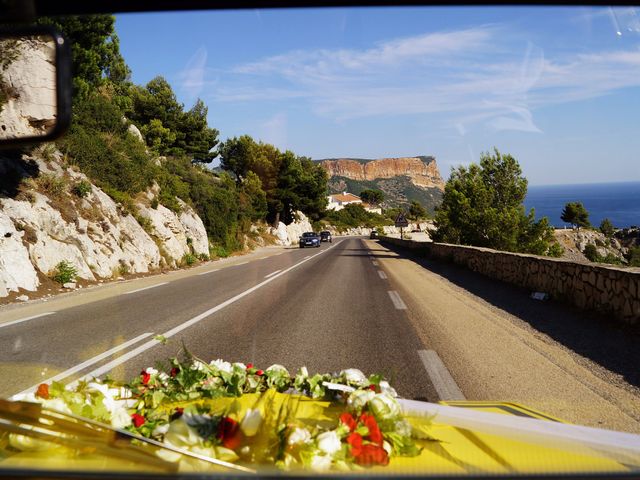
[{"x": 35, "y": 85}]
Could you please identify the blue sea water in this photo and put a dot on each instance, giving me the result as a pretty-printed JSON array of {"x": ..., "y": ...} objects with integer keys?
[{"x": 619, "y": 202}]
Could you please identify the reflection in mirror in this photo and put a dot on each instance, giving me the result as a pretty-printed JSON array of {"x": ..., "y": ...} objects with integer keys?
[{"x": 27, "y": 86}]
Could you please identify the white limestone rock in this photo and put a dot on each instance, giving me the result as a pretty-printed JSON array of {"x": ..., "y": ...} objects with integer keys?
[{"x": 16, "y": 270}]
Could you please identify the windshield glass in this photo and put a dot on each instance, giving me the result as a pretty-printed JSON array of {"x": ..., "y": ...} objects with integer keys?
[{"x": 473, "y": 293}]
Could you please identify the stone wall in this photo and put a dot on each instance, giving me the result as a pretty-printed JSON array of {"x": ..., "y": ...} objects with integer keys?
[{"x": 610, "y": 290}]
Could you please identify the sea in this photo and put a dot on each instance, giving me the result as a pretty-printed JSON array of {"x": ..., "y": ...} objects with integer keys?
[{"x": 619, "y": 202}]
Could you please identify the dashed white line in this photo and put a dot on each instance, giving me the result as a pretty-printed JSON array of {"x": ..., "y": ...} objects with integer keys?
[
  {"x": 86, "y": 363},
  {"x": 145, "y": 288},
  {"x": 397, "y": 301},
  {"x": 210, "y": 271},
  {"x": 8, "y": 324},
  {"x": 152, "y": 343},
  {"x": 382, "y": 274},
  {"x": 272, "y": 274},
  {"x": 446, "y": 387}
]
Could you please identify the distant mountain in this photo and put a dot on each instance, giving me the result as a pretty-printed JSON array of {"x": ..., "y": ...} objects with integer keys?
[{"x": 402, "y": 179}]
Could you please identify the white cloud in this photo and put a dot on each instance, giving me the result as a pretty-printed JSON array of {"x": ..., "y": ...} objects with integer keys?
[
  {"x": 192, "y": 77},
  {"x": 274, "y": 131},
  {"x": 486, "y": 75}
]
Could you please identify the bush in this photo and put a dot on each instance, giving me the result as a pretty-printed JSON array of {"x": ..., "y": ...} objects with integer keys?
[
  {"x": 189, "y": 259},
  {"x": 591, "y": 252},
  {"x": 82, "y": 188},
  {"x": 634, "y": 256},
  {"x": 124, "y": 199},
  {"x": 203, "y": 257},
  {"x": 52, "y": 184},
  {"x": 64, "y": 272},
  {"x": 218, "y": 251},
  {"x": 555, "y": 250}
]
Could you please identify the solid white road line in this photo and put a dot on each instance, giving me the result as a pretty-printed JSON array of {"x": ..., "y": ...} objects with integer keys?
[
  {"x": 397, "y": 301},
  {"x": 145, "y": 288},
  {"x": 242, "y": 263},
  {"x": 272, "y": 274},
  {"x": 210, "y": 271},
  {"x": 383, "y": 275},
  {"x": 308, "y": 256},
  {"x": 8, "y": 324},
  {"x": 152, "y": 343},
  {"x": 86, "y": 363},
  {"x": 445, "y": 385}
]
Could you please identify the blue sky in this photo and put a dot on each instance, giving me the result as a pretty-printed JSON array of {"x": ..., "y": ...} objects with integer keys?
[{"x": 558, "y": 88}]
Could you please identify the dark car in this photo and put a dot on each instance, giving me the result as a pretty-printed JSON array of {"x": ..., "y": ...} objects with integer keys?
[
  {"x": 374, "y": 234},
  {"x": 309, "y": 239},
  {"x": 325, "y": 236}
]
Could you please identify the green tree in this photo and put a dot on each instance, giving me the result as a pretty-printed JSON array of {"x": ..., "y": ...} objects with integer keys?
[
  {"x": 633, "y": 256},
  {"x": 253, "y": 199},
  {"x": 483, "y": 206},
  {"x": 575, "y": 214},
  {"x": 374, "y": 197},
  {"x": 416, "y": 211},
  {"x": 237, "y": 155},
  {"x": 607, "y": 228}
]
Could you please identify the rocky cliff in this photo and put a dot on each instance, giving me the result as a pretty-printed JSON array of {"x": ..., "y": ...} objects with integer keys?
[
  {"x": 423, "y": 171},
  {"x": 43, "y": 222},
  {"x": 402, "y": 179}
]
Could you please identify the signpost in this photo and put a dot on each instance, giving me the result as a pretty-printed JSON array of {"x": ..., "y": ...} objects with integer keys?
[{"x": 401, "y": 222}]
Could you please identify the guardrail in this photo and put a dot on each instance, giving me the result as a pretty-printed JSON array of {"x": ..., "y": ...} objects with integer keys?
[{"x": 607, "y": 289}]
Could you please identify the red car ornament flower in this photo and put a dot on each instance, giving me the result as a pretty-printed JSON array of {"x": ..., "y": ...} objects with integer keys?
[
  {"x": 249, "y": 365},
  {"x": 43, "y": 391},
  {"x": 146, "y": 377},
  {"x": 229, "y": 433},
  {"x": 347, "y": 419},
  {"x": 138, "y": 420}
]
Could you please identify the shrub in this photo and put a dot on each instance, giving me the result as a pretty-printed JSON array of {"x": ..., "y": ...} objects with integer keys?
[
  {"x": 218, "y": 251},
  {"x": 154, "y": 203},
  {"x": 634, "y": 256},
  {"x": 591, "y": 252},
  {"x": 203, "y": 257},
  {"x": 189, "y": 259},
  {"x": 81, "y": 189},
  {"x": 555, "y": 250},
  {"x": 52, "y": 184},
  {"x": 64, "y": 272},
  {"x": 123, "y": 269},
  {"x": 124, "y": 199}
]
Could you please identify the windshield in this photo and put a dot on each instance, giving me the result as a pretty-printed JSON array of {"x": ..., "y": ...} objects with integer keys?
[{"x": 473, "y": 294}]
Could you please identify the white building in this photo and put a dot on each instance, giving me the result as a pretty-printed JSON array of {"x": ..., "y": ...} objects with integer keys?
[{"x": 339, "y": 200}]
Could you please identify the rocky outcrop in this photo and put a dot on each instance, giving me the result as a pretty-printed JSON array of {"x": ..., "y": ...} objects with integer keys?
[
  {"x": 575, "y": 241},
  {"x": 423, "y": 171},
  {"x": 287, "y": 235},
  {"x": 28, "y": 85},
  {"x": 95, "y": 234}
]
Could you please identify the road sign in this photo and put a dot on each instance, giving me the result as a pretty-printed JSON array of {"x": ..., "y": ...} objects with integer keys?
[{"x": 401, "y": 221}]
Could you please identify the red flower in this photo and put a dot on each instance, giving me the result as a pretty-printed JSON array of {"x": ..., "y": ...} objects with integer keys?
[
  {"x": 372, "y": 455},
  {"x": 260, "y": 373},
  {"x": 375, "y": 435},
  {"x": 174, "y": 371},
  {"x": 373, "y": 387},
  {"x": 138, "y": 420},
  {"x": 348, "y": 420},
  {"x": 145, "y": 377},
  {"x": 229, "y": 433},
  {"x": 43, "y": 391},
  {"x": 355, "y": 440},
  {"x": 249, "y": 365}
]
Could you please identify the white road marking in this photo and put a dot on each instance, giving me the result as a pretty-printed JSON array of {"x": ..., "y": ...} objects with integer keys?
[
  {"x": 445, "y": 385},
  {"x": 86, "y": 363},
  {"x": 272, "y": 273},
  {"x": 308, "y": 256},
  {"x": 25, "y": 319},
  {"x": 145, "y": 288},
  {"x": 210, "y": 271},
  {"x": 242, "y": 263},
  {"x": 152, "y": 343},
  {"x": 382, "y": 274},
  {"x": 397, "y": 301},
  {"x": 375, "y": 263}
]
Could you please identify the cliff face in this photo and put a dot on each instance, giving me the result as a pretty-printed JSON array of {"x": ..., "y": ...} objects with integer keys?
[{"x": 422, "y": 171}]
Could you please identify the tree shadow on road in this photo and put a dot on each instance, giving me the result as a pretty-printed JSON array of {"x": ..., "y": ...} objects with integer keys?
[{"x": 597, "y": 337}]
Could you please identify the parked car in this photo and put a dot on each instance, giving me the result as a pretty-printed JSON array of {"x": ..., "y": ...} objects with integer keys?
[
  {"x": 325, "y": 236},
  {"x": 373, "y": 234},
  {"x": 309, "y": 239}
]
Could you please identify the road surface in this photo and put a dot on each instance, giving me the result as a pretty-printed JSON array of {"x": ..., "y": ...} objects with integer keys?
[{"x": 352, "y": 303}]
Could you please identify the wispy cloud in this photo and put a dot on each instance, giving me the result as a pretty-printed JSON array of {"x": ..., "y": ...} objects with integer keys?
[
  {"x": 487, "y": 75},
  {"x": 192, "y": 77}
]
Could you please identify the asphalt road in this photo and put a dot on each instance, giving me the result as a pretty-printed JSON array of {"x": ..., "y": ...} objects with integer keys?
[
  {"x": 436, "y": 332},
  {"x": 327, "y": 309}
]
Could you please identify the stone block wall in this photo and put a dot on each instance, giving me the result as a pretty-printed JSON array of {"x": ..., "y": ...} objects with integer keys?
[{"x": 607, "y": 289}]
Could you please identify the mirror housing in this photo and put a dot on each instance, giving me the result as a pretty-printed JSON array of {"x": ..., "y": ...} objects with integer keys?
[{"x": 35, "y": 85}]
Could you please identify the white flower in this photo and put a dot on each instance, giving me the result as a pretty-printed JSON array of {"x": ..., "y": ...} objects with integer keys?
[
  {"x": 151, "y": 371},
  {"x": 120, "y": 418},
  {"x": 279, "y": 369},
  {"x": 384, "y": 407},
  {"x": 388, "y": 389},
  {"x": 161, "y": 430},
  {"x": 359, "y": 399},
  {"x": 222, "y": 366},
  {"x": 197, "y": 365},
  {"x": 321, "y": 462},
  {"x": 56, "y": 404},
  {"x": 329, "y": 442},
  {"x": 251, "y": 422},
  {"x": 299, "y": 435},
  {"x": 240, "y": 366},
  {"x": 353, "y": 375},
  {"x": 163, "y": 377},
  {"x": 403, "y": 428},
  {"x": 387, "y": 447},
  {"x": 304, "y": 372}
]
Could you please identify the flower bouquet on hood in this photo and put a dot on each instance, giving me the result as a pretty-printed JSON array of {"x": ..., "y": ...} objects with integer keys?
[{"x": 237, "y": 414}]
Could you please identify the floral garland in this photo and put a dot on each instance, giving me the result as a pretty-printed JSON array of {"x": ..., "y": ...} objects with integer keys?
[{"x": 239, "y": 413}]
